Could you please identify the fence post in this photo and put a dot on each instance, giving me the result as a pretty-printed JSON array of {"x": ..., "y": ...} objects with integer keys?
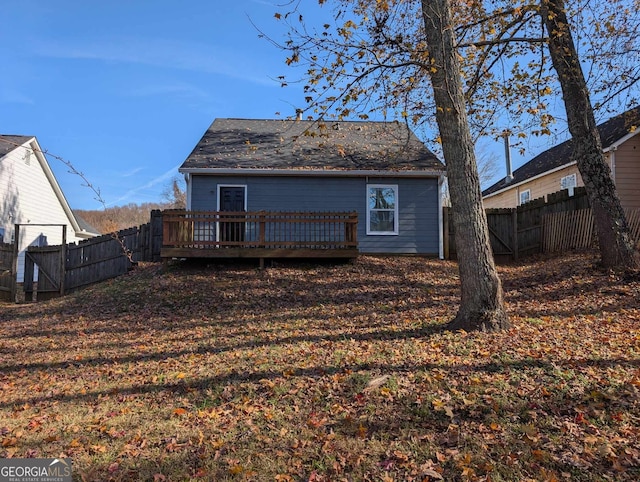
[
  {"x": 155, "y": 235},
  {"x": 514, "y": 220},
  {"x": 63, "y": 259},
  {"x": 14, "y": 264},
  {"x": 445, "y": 231}
]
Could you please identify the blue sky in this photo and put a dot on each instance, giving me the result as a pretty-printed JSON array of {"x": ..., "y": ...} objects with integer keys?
[{"x": 123, "y": 90}]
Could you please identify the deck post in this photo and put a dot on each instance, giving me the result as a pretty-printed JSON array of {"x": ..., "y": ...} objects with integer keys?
[{"x": 262, "y": 224}]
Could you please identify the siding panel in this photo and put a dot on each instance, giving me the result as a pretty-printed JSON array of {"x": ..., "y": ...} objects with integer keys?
[
  {"x": 627, "y": 175},
  {"x": 418, "y": 205}
]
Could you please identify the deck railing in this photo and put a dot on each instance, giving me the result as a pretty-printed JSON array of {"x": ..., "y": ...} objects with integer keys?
[{"x": 259, "y": 230}]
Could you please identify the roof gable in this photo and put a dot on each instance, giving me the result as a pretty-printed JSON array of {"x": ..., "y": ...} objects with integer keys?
[
  {"x": 310, "y": 145},
  {"x": 611, "y": 133},
  {"x": 9, "y": 143}
]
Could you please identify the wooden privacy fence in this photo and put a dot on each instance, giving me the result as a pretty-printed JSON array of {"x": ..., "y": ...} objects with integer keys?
[
  {"x": 520, "y": 232},
  {"x": 6, "y": 271},
  {"x": 567, "y": 230},
  {"x": 575, "y": 230},
  {"x": 64, "y": 268},
  {"x": 257, "y": 234},
  {"x": 105, "y": 257},
  {"x": 633, "y": 218}
]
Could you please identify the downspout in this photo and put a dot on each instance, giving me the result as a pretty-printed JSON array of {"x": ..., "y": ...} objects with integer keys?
[
  {"x": 613, "y": 163},
  {"x": 187, "y": 180}
]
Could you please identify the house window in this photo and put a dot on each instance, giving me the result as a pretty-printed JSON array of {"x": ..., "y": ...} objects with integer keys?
[
  {"x": 569, "y": 182},
  {"x": 1, "y": 235},
  {"x": 382, "y": 209},
  {"x": 525, "y": 196}
]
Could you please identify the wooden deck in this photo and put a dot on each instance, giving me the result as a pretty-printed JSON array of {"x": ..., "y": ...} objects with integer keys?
[{"x": 262, "y": 234}]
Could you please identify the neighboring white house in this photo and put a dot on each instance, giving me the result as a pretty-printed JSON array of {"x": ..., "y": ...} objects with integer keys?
[{"x": 31, "y": 197}]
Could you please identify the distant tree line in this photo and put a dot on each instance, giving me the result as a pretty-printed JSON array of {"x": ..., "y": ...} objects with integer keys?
[
  {"x": 116, "y": 218},
  {"x": 111, "y": 219}
]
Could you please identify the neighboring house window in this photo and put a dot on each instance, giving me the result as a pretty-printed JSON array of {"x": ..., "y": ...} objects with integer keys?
[
  {"x": 1, "y": 235},
  {"x": 382, "y": 209},
  {"x": 525, "y": 196},
  {"x": 568, "y": 182}
]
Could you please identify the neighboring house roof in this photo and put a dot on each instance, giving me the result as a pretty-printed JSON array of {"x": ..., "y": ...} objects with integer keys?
[
  {"x": 301, "y": 145},
  {"x": 9, "y": 143},
  {"x": 612, "y": 133},
  {"x": 85, "y": 226}
]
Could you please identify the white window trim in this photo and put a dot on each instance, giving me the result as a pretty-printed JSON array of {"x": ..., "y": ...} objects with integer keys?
[
  {"x": 520, "y": 193},
  {"x": 230, "y": 185},
  {"x": 395, "y": 231}
]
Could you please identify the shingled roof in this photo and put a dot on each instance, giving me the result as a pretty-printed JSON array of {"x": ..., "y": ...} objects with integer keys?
[
  {"x": 9, "y": 143},
  {"x": 310, "y": 145},
  {"x": 610, "y": 131}
]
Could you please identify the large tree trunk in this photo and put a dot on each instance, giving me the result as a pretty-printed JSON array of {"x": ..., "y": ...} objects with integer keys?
[
  {"x": 616, "y": 246},
  {"x": 481, "y": 304}
]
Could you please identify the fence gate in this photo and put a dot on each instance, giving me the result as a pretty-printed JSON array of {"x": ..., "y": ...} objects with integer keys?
[
  {"x": 503, "y": 235},
  {"x": 44, "y": 272},
  {"x": 501, "y": 224},
  {"x": 7, "y": 275}
]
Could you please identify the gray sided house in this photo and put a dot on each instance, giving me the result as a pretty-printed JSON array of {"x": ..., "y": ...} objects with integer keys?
[{"x": 380, "y": 170}]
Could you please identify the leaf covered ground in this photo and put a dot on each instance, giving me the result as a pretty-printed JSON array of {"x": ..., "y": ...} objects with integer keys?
[{"x": 327, "y": 372}]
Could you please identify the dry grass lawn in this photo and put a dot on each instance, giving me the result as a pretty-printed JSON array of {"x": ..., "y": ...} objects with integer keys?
[{"x": 327, "y": 372}]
